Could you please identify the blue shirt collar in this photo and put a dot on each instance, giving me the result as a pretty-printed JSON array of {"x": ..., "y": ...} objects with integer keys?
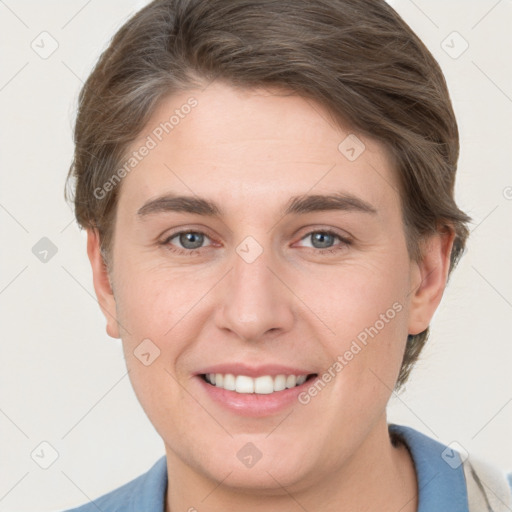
[
  {"x": 149, "y": 493},
  {"x": 441, "y": 480}
]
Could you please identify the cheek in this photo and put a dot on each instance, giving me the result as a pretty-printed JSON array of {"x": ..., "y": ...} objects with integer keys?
[
  {"x": 360, "y": 295},
  {"x": 156, "y": 313},
  {"x": 367, "y": 310},
  {"x": 152, "y": 302}
]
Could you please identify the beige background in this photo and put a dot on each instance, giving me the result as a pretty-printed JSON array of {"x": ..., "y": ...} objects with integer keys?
[{"x": 63, "y": 380}]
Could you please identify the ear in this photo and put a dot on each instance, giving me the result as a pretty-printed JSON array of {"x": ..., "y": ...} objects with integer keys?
[
  {"x": 429, "y": 278},
  {"x": 102, "y": 285}
]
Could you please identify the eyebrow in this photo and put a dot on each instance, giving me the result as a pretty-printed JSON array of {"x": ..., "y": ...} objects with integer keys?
[{"x": 298, "y": 205}]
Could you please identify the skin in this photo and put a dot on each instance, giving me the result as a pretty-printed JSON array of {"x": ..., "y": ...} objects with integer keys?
[{"x": 250, "y": 151}]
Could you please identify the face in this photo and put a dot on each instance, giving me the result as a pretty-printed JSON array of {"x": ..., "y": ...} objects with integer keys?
[{"x": 260, "y": 285}]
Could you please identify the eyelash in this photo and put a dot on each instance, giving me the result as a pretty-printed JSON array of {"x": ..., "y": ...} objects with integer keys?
[{"x": 346, "y": 242}]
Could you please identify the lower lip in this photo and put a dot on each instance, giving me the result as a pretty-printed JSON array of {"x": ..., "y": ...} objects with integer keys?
[{"x": 255, "y": 404}]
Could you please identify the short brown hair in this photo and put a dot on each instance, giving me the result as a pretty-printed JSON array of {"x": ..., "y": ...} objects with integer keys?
[{"x": 356, "y": 58}]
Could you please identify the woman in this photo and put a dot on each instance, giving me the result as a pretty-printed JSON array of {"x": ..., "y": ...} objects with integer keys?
[{"x": 268, "y": 192}]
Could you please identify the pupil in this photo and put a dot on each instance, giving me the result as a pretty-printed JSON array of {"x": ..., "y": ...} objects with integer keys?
[
  {"x": 189, "y": 237},
  {"x": 320, "y": 236}
]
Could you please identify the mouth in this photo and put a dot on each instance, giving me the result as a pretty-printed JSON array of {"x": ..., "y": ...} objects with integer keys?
[{"x": 263, "y": 385}]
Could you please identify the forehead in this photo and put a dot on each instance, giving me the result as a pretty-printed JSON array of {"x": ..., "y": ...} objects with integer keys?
[{"x": 254, "y": 146}]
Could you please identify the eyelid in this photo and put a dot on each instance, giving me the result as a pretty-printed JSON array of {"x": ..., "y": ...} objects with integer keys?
[
  {"x": 344, "y": 235},
  {"x": 186, "y": 229}
]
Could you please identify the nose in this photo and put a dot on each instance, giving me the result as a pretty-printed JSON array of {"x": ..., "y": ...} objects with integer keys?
[{"x": 255, "y": 298}]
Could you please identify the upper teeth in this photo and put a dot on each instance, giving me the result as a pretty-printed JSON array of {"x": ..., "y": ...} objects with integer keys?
[{"x": 261, "y": 385}]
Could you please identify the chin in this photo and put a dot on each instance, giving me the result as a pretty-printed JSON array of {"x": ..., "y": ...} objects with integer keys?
[{"x": 265, "y": 469}]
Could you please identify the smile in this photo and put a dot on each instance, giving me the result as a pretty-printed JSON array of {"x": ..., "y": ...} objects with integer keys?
[{"x": 263, "y": 385}]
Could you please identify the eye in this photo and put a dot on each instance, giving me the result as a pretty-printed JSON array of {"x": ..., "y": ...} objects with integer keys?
[
  {"x": 322, "y": 240},
  {"x": 190, "y": 241}
]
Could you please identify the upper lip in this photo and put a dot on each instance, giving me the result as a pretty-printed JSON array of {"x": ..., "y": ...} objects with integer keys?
[{"x": 254, "y": 371}]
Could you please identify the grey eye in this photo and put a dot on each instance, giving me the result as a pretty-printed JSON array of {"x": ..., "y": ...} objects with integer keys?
[
  {"x": 191, "y": 239},
  {"x": 321, "y": 240}
]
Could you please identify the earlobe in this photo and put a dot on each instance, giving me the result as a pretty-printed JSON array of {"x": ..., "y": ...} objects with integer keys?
[
  {"x": 429, "y": 279},
  {"x": 102, "y": 285}
]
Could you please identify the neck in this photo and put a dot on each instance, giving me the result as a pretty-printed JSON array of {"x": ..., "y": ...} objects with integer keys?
[{"x": 377, "y": 476}]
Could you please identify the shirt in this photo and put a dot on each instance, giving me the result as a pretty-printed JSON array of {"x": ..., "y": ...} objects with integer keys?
[{"x": 439, "y": 471}]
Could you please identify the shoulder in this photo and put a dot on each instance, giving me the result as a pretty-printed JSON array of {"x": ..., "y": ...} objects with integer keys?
[
  {"x": 450, "y": 479},
  {"x": 488, "y": 487},
  {"x": 145, "y": 492}
]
